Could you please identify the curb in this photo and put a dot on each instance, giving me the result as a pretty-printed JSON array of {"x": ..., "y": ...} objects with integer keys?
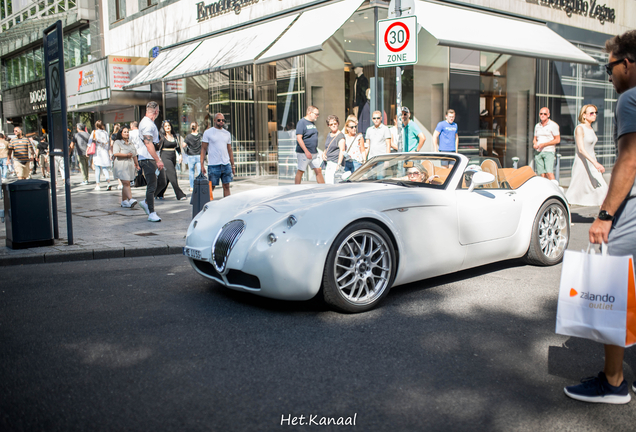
[{"x": 87, "y": 255}]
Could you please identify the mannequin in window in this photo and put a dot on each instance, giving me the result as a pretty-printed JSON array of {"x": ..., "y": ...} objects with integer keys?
[
  {"x": 359, "y": 89},
  {"x": 364, "y": 119}
]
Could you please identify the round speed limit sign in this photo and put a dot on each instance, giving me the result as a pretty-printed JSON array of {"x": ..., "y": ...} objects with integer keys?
[{"x": 398, "y": 42}]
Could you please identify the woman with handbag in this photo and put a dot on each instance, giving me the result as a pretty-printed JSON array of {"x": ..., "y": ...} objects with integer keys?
[
  {"x": 125, "y": 166},
  {"x": 170, "y": 154},
  {"x": 334, "y": 149},
  {"x": 355, "y": 149},
  {"x": 101, "y": 158}
]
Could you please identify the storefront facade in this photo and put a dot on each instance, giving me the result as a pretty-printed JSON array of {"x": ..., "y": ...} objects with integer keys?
[
  {"x": 262, "y": 63},
  {"x": 94, "y": 91}
]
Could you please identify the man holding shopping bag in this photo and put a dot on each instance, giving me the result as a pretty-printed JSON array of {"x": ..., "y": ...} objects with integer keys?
[{"x": 616, "y": 222}]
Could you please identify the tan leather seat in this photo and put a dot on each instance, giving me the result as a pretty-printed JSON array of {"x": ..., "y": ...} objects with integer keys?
[
  {"x": 516, "y": 177},
  {"x": 490, "y": 166},
  {"x": 429, "y": 167}
]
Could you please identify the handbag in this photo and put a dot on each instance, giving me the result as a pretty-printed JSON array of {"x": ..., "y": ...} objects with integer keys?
[
  {"x": 92, "y": 148},
  {"x": 323, "y": 165},
  {"x": 596, "y": 298}
]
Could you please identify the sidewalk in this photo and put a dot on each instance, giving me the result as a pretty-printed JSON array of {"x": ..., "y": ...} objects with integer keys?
[{"x": 103, "y": 229}]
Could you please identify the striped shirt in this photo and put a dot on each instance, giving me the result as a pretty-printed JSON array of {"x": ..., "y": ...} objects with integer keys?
[{"x": 22, "y": 149}]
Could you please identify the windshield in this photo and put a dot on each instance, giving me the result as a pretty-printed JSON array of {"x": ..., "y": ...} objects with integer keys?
[{"x": 408, "y": 169}]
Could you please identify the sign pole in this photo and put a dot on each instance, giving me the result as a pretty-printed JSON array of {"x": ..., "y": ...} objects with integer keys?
[
  {"x": 57, "y": 119},
  {"x": 398, "y": 87}
]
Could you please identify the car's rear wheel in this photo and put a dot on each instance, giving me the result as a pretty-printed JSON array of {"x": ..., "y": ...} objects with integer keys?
[
  {"x": 360, "y": 268},
  {"x": 550, "y": 234}
]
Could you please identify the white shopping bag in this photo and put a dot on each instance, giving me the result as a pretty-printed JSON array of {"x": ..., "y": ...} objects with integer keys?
[{"x": 597, "y": 299}]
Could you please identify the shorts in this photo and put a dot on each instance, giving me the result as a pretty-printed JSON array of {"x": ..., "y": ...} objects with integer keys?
[
  {"x": 22, "y": 169},
  {"x": 44, "y": 161},
  {"x": 315, "y": 162},
  {"x": 223, "y": 172},
  {"x": 622, "y": 236},
  {"x": 544, "y": 162}
]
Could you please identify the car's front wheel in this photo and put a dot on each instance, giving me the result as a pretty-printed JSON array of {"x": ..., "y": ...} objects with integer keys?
[
  {"x": 550, "y": 234},
  {"x": 360, "y": 268}
]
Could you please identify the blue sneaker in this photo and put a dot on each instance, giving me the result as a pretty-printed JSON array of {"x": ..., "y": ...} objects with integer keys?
[{"x": 598, "y": 390}]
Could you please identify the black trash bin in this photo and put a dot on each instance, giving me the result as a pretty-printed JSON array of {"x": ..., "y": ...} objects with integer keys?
[
  {"x": 27, "y": 214},
  {"x": 200, "y": 194}
]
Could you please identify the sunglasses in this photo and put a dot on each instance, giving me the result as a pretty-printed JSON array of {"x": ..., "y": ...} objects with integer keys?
[
  {"x": 609, "y": 67},
  {"x": 377, "y": 118},
  {"x": 220, "y": 120},
  {"x": 410, "y": 173},
  {"x": 593, "y": 113},
  {"x": 353, "y": 127},
  {"x": 543, "y": 114},
  {"x": 333, "y": 124}
]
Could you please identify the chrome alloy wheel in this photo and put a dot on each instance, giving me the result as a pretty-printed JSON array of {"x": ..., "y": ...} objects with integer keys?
[
  {"x": 362, "y": 267},
  {"x": 553, "y": 232}
]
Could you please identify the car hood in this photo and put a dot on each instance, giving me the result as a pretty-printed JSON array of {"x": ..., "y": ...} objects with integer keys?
[{"x": 292, "y": 199}]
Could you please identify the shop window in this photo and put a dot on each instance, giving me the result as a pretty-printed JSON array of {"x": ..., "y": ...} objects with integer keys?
[
  {"x": 85, "y": 45},
  {"x": 290, "y": 108},
  {"x": 564, "y": 88},
  {"x": 37, "y": 58}
]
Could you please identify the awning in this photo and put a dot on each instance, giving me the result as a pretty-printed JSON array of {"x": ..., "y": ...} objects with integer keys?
[
  {"x": 237, "y": 48},
  {"x": 470, "y": 29},
  {"x": 165, "y": 62},
  {"x": 311, "y": 30}
]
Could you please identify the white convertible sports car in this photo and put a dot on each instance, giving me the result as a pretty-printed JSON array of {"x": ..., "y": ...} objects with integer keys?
[{"x": 400, "y": 218}]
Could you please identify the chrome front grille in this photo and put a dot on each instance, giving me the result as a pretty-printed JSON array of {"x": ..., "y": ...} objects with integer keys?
[{"x": 224, "y": 242}]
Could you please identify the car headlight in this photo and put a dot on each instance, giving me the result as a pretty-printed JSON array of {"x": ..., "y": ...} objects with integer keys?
[{"x": 291, "y": 221}]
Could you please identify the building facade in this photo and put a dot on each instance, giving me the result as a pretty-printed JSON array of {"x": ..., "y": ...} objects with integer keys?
[
  {"x": 22, "y": 82},
  {"x": 262, "y": 62}
]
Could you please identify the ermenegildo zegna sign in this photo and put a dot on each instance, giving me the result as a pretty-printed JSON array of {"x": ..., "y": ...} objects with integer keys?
[
  {"x": 590, "y": 9},
  {"x": 221, "y": 7}
]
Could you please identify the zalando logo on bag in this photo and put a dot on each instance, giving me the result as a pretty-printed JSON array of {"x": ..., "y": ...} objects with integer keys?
[{"x": 604, "y": 299}]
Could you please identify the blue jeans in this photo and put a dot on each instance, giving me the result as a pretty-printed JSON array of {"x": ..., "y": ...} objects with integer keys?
[
  {"x": 194, "y": 168},
  {"x": 98, "y": 171},
  {"x": 3, "y": 167},
  {"x": 352, "y": 165}
]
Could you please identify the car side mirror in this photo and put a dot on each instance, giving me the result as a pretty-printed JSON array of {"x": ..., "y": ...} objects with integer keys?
[{"x": 481, "y": 178}]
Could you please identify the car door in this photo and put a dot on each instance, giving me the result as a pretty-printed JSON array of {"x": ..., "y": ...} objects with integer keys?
[{"x": 487, "y": 214}]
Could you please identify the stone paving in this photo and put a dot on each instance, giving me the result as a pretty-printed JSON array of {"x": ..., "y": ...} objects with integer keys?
[{"x": 103, "y": 229}]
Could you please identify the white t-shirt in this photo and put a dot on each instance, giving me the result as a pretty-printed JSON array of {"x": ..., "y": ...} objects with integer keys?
[
  {"x": 377, "y": 137},
  {"x": 135, "y": 139},
  {"x": 218, "y": 140},
  {"x": 547, "y": 133},
  {"x": 146, "y": 127},
  {"x": 625, "y": 120}
]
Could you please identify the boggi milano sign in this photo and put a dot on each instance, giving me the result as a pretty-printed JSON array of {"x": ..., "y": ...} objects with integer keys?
[
  {"x": 590, "y": 9},
  {"x": 221, "y": 7}
]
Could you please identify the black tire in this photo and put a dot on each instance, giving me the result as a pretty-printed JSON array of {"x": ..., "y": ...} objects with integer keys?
[
  {"x": 550, "y": 234},
  {"x": 365, "y": 251}
]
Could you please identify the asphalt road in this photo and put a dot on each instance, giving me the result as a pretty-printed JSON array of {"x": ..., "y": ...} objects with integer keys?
[{"x": 141, "y": 344}]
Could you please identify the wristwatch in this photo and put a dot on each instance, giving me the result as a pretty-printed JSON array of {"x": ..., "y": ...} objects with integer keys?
[{"x": 605, "y": 216}]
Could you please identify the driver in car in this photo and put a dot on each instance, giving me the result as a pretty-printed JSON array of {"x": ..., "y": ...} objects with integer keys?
[{"x": 417, "y": 173}]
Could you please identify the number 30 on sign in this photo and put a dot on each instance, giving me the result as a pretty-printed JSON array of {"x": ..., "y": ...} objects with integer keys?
[{"x": 397, "y": 42}]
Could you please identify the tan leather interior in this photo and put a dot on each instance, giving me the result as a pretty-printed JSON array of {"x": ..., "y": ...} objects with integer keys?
[
  {"x": 490, "y": 166},
  {"x": 516, "y": 177}
]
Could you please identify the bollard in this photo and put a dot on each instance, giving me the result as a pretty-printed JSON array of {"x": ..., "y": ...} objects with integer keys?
[
  {"x": 557, "y": 169},
  {"x": 200, "y": 194},
  {"x": 515, "y": 162}
]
